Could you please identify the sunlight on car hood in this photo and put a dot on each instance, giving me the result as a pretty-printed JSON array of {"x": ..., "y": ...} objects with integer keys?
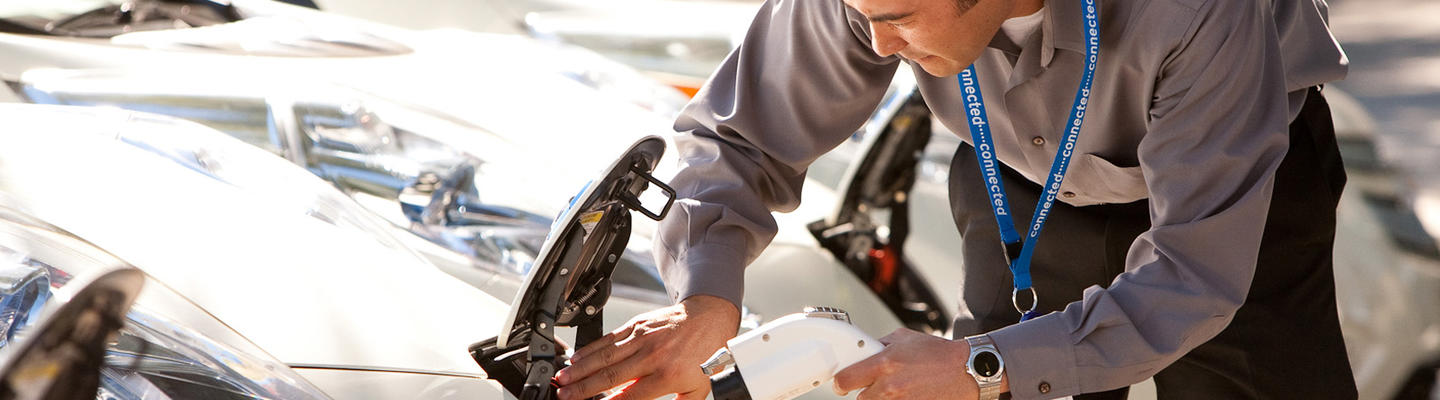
[
  {"x": 299, "y": 288},
  {"x": 555, "y": 103}
]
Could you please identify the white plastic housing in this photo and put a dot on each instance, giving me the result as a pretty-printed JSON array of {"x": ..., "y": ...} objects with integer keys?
[{"x": 794, "y": 354}]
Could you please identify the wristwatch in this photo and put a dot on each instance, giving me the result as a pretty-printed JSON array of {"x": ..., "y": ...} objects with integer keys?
[{"x": 985, "y": 365}]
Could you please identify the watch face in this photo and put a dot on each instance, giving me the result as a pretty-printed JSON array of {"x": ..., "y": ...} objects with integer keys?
[{"x": 986, "y": 364}]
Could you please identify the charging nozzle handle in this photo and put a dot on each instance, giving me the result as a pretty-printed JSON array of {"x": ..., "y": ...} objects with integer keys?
[
  {"x": 726, "y": 383},
  {"x": 791, "y": 355},
  {"x": 729, "y": 385}
]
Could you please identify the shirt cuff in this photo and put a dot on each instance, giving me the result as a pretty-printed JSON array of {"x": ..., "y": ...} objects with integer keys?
[
  {"x": 707, "y": 269},
  {"x": 1039, "y": 358}
]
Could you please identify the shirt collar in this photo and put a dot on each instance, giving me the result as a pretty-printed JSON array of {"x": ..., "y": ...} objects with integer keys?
[{"x": 1061, "y": 28}]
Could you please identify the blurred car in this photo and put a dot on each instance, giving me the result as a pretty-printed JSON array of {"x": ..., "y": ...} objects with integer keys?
[
  {"x": 678, "y": 42},
  {"x": 475, "y": 155},
  {"x": 666, "y": 39},
  {"x": 253, "y": 294},
  {"x": 458, "y": 211},
  {"x": 1387, "y": 264}
]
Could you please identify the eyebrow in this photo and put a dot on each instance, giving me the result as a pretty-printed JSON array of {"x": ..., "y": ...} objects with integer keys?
[
  {"x": 887, "y": 17},
  {"x": 883, "y": 17}
]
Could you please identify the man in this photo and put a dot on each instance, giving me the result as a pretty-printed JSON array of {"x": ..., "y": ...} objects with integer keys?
[{"x": 1189, "y": 241}]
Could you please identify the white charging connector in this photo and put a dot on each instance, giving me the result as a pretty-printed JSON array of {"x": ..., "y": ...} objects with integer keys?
[{"x": 792, "y": 355}]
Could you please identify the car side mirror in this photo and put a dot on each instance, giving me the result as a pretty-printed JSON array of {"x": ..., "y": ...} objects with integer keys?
[{"x": 434, "y": 197}]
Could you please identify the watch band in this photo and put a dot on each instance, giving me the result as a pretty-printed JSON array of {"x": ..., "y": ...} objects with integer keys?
[
  {"x": 989, "y": 386},
  {"x": 990, "y": 392}
]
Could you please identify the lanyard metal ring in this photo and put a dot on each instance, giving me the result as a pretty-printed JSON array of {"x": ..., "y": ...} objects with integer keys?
[{"x": 1015, "y": 300}]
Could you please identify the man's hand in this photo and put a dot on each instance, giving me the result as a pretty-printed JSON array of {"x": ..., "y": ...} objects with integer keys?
[
  {"x": 661, "y": 351},
  {"x": 912, "y": 366}
]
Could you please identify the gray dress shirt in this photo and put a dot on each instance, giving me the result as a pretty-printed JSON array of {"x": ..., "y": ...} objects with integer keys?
[{"x": 1190, "y": 107}]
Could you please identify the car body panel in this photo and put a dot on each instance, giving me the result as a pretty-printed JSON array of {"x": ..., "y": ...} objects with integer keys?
[
  {"x": 69, "y": 261},
  {"x": 1384, "y": 287},
  {"x": 495, "y": 83},
  {"x": 530, "y": 96},
  {"x": 356, "y": 384},
  {"x": 511, "y": 165},
  {"x": 302, "y": 290}
]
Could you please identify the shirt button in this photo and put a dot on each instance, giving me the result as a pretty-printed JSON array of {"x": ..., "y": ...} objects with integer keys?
[
  {"x": 1068, "y": 195},
  {"x": 1044, "y": 387},
  {"x": 1038, "y": 141}
]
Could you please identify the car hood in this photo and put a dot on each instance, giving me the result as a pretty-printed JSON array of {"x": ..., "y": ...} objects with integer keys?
[
  {"x": 554, "y": 102},
  {"x": 306, "y": 292}
]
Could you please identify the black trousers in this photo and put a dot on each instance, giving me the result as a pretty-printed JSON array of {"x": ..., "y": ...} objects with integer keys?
[{"x": 1284, "y": 342}]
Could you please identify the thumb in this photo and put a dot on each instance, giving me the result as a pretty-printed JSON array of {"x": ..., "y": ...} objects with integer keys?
[{"x": 859, "y": 375}]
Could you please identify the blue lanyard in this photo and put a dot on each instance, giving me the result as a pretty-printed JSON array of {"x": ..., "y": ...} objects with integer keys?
[{"x": 974, "y": 104}]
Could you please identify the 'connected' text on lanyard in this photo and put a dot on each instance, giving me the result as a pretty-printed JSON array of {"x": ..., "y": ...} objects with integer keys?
[{"x": 985, "y": 151}]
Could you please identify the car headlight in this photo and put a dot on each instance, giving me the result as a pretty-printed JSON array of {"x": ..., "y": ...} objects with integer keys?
[
  {"x": 154, "y": 356},
  {"x": 24, "y": 291},
  {"x": 159, "y": 358}
]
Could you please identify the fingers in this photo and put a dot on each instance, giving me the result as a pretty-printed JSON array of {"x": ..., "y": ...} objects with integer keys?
[
  {"x": 607, "y": 377},
  {"x": 599, "y": 358},
  {"x": 644, "y": 389},
  {"x": 701, "y": 394},
  {"x": 866, "y": 372},
  {"x": 876, "y": 392},
  {"x": 604, "y": 341},
  {"x": 658, "y": 353},
  {"x": 859, "y": 375},
  {"x": 687, "y": 386}
]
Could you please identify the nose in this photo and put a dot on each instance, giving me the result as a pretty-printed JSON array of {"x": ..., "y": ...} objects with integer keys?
[{"x": 885, "y": 41}]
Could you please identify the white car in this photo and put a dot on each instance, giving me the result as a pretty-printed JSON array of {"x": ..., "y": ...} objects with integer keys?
[
  {"x": 252, "y": 294},
  {"x": 1387, "y": 263},
  {"x": 373, "y": 109},
  {"x": 257, "y": 264}
]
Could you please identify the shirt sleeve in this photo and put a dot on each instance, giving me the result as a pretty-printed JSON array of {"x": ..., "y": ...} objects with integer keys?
[
  {"x": 1217, "y": 133},
  {"x": 799, "y": 84}
]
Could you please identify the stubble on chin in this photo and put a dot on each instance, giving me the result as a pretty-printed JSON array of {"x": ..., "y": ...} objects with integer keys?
[{"x": 939, "y": 68}]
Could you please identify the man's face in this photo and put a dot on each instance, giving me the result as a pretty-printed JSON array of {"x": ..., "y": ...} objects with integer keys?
[{"x": 938, "y": 35}]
